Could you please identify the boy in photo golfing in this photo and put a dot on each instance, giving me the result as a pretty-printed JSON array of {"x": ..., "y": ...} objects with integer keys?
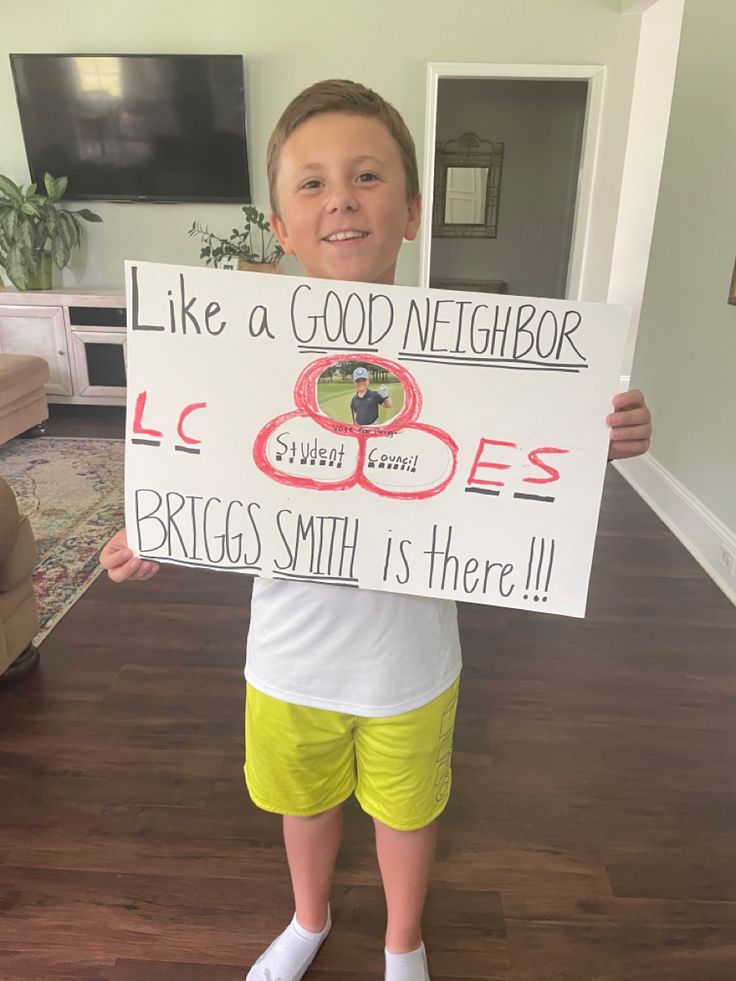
[
  {"x": 324, "y": 720},
  {"x": 366, "y": 402}
]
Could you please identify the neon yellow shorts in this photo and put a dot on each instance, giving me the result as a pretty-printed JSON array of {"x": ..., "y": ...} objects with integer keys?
[{"x": 303, "y": 761}]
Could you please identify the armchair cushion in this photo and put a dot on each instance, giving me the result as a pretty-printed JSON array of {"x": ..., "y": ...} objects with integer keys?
[
  {"x": 22, "y": 394},
  {"x": 18, "y": 610},
  {"x": 21, "y": 560}
]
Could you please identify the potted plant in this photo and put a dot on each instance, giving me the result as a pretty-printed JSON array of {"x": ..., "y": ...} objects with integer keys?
[
  {"x": 35, "y": 230},
  {"x": 254, "y": 245}
]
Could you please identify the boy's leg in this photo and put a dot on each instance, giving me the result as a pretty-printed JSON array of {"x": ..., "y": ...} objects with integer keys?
[
  {"x": 312, "y": 844},
  {"x": 405, "y": 859},
  {"x": 299, "y": 761},
  {"x": 404, "y": 778}
]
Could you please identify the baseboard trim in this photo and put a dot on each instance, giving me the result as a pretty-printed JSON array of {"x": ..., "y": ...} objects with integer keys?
[{"x": 699, "y": 530}]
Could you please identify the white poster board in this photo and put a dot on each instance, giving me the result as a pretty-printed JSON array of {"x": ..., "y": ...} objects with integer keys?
[{"x": 481, "y": 482}]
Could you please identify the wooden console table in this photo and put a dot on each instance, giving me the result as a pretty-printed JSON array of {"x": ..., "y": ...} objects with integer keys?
[{"x": 80, "y": 333}]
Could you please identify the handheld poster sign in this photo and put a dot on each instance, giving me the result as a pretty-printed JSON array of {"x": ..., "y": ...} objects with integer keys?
[{"x": 378, "y": 437}]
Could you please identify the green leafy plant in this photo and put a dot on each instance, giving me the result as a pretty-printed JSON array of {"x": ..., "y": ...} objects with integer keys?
[
  {"x": 33, "y": 225},
  {"x": 254, "y": 242}
]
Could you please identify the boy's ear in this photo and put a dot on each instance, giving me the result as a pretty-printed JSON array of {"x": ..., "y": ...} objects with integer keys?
[
  {"x": 413, "y": 218},
  {"x": 279, "y": 230}
]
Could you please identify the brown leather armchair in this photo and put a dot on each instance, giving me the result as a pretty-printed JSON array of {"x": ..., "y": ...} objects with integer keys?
[
  {"x": 22, "y": 395},
  {"x": 18, "y": 611}
]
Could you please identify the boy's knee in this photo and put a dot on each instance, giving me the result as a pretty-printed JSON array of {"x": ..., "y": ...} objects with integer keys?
[
  {"x": 429, "y": 828},
  {"x": 329, "y": 814}
]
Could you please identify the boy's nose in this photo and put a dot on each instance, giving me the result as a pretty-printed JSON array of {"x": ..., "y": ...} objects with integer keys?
[{"x": 343, "y": 198}]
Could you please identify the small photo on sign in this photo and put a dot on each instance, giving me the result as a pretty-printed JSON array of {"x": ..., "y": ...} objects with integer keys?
[{"x": 359, "y": 393}]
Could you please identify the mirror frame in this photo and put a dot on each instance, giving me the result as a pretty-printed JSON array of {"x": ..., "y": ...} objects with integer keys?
[{"x": 468, "y": 150}]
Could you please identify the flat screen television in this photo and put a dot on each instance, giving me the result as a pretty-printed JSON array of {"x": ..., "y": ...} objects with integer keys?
[{"x": 136, "y": 127}]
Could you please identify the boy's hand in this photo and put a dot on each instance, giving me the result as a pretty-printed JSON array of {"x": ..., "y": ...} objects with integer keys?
[
  {"x": 383, "y": 392},
  {"x": 121, "y": 564},
  {"x": 631, "y": 426}
]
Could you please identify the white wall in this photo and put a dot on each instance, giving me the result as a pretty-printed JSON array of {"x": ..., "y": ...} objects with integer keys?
[
  {"x": 686, "y": 354},
  {"x": 541, "y": 124},
  {"x": 645, "y": 145},
  {"x": 290, "y": 44}
]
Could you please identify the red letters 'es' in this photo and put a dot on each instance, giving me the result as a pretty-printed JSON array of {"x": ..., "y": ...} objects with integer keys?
[{"x": 485, "y": 461}]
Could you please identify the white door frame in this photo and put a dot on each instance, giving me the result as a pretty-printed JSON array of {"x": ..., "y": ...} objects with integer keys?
[{"x": 595, "y": 75}]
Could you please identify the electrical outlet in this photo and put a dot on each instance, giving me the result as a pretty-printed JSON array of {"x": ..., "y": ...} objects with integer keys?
[{"x": 728, "y": 560}]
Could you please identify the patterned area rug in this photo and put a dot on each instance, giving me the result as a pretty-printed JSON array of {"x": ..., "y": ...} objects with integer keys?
[{"x": 72, "y": 491}]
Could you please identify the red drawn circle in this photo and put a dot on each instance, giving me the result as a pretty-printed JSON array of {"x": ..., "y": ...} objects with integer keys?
[{"x": 305, "y": 398}]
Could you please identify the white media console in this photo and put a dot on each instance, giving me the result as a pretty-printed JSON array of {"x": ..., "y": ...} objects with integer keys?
[{"x": 81, "y": 333}]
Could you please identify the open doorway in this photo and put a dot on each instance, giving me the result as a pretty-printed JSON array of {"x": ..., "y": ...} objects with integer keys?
[
  {"x": 511, "y": 171},
  {"x": 539, "y": 124}
]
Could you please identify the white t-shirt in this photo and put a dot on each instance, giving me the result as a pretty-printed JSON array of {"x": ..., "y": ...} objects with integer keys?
[{"x": 350, "y": 650}]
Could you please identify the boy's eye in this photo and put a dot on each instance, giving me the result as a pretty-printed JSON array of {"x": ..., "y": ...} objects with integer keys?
[
  {"x": 311, "y": 184},
  {"x": 367, "y": 177}
]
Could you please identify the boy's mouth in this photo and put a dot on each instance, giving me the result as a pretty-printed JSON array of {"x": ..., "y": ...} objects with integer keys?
[{"x": 345, "y": 236}]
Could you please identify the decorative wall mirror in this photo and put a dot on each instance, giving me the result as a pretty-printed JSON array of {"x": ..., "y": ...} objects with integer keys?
[{"x": 467, "y": 187}]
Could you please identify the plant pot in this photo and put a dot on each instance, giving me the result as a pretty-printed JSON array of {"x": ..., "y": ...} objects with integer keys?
[
  {"x": 264, "y": 267},
  {"x": 42, "y": 279}
]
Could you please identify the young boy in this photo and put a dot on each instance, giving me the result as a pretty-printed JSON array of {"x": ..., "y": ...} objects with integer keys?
[
  {"x": 322, "y": 721},
  {"x": 366, "y": 402}
]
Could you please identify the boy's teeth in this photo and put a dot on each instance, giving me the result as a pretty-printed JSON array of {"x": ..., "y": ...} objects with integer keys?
[{"x": 342, "y": 236}]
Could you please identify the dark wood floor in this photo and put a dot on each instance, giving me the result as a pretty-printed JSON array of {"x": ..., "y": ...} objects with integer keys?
[{"x": 591, "y": 835}]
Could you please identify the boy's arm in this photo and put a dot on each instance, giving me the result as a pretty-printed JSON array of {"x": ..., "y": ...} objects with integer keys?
[
  {"x": 121, "y": 565},
  {"x": 631, "y": 426}
]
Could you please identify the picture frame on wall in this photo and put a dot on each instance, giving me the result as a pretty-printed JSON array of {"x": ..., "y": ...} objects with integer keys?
[{"x": 732, "y": 291}]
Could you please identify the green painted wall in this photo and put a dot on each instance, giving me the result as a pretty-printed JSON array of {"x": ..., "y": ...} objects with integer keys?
[
  {"x": 287, "y": 45},
  {"x": 686, "y": 351}
]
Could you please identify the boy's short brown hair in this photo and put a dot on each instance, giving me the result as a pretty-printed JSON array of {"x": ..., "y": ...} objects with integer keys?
[{"x": 341, "y": 95}]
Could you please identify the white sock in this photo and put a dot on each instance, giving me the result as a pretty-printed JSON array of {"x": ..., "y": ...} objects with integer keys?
[
  {"x": 291, "y": 953},
  {"x": 407, "y": 967}
]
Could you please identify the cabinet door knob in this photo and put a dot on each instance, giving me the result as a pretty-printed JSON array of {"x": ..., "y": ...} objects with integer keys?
[{"x": 61, "y": 353}]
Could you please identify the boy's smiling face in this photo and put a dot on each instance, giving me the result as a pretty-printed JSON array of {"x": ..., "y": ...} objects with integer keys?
[{"x": 342, "y": 198}]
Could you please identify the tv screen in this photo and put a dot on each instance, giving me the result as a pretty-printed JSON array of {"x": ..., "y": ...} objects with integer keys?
[{"x": 136, "y": 127}]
